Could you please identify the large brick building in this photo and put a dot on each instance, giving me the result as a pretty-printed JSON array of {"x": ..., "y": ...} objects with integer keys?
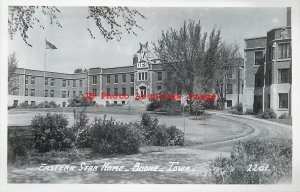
[{"x": 268, "y": 69}]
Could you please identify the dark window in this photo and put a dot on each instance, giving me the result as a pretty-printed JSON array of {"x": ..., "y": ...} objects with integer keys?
[
  {"x": 80, "y": 83},
  {"x": 143, "y": 76},
  {"x": 270, "y": 76},
  {"x": 26, "y": 80},
  {"x": 32, "y": 80},
  {"x": 63, "y": 94},
  {"x": 283, "y": 75},
  {"x": 229, "y": 73},
  {"x": 116, "y": 79},
  {"x": 46, "y": 81},
  {"x": 52, "y": 82},
  {"x": 64, "y": 83},
  {"x": 94, "y": 79},
  {"x": 131, "y": 77},
  {"x": 131, "y": 91},
  {"x": 283, "y": 100},
  {"x": 15, "y": 103},
  {"x": 284, "y": 50},
  {"x": 107, "y": 102},
  {"x": 229, "y": 89},
  {"x": 68, "y": 93},
  {"x": 46, "y": 93},
  {"x": 74, "y": 83},
  {"x": 32, "y": 92},
  {"x": 123, "y": 90},
  {"x": 159, "y": 88},
  {"x": 108, "y": 90},
  {"x": 108, "y": 79},
  {"x": 271, "y": 54},
  {"x": 259, "y": 58},
  {"x": 159, "y": 76},
  {"x": 52, "y": 93},
  {"x": 74, "y": 93},
  {"x": 26, "y": 92},
  {"x": 95, "y": 92},
  {"x": 116, "y": 91},
  {"x": 69, "y": 82},
  {"x": 32, "y": 103},
  {"x": 115, "y": 102},
  {"x": 229, "y": 103},
  {"x": 123, "y": 102},
  {"x": 258, "y": 81},
  {"x": 269, "y": 101},
  {"x": 124, "y": 78},
  {"x": 140, "y": 76}
]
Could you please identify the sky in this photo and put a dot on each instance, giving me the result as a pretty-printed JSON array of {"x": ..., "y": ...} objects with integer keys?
[{"x": 76, "y": 49}]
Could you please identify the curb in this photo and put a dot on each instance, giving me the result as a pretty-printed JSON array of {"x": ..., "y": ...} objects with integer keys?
[{"x": 252, "y": 118}]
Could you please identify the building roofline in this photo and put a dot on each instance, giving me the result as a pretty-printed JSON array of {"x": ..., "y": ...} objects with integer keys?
[
  {"x": 52, "y": 71},
  {"x": 251, "y": 38},
  {"x": 278, "y": 28}
]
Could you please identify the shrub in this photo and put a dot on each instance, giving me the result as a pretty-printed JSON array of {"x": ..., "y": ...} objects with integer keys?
[
  {"x": 239, "y": 107},
  {"x": 79, "y": 102},
  {"x": 273, "y": 154},
  {"x": 159, "y": 135},
  {"x": 153, "y": 105},
  {"x": 198, "y": 106},
  {"x": 268, "y": 114},
  {"x": 24, "y": 105},
  {"x": 16, "y": 147},
  {"x": 47, "y": 104},
  {"x": 83, "y": 137},
  {"x": 111, "y": 137},
  {"x": 176, "y": 136},
  {"x": 51, "y": 132}
]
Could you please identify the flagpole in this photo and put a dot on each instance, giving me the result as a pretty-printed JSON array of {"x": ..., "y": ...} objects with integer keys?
[{"x": 44, "y": 74}]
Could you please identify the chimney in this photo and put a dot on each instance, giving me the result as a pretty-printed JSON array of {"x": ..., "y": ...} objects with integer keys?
[
  {"x": 288, "y": 16},
  {"x": 135, "y": 59}
]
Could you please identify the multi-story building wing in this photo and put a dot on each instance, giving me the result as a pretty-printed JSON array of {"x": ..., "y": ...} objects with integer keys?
[
  {"x": 139, "y": 79},
  {"x": 268, "y": 71},
  {"x": 34, "y": 86}
]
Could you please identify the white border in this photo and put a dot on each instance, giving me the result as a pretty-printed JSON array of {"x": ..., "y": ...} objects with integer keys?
[{"x": 295, "y": 186}]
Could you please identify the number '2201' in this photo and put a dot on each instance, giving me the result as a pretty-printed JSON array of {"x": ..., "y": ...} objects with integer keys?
[{"x": 256, "y": 167}]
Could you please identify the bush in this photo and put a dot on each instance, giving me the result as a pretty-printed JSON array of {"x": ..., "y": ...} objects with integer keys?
[
  {"x": 51, "y": 132},
  {"x": 83, "y": 137},
  {"x": 176, "y": 136},
  {"x": 25, "y": 105},
  {"x": 268, "y": 114},
  {"x": 111, "y": 137},
  {"x": 16, "y": 147},
  {"x": 159, "y": 135},
  {"x": 239, "y": 107},
  {"x": 273, "y": 154},
  {"x": 47, "y": 104},
  {"x": 79, "y": 102},
  {"x": 153, "y": 105}
]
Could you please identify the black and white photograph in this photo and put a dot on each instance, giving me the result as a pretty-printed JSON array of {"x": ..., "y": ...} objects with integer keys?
[{"x": 149, "y": 94}]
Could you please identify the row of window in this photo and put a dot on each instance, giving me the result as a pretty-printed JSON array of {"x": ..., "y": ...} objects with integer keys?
[
  {"x": 284, "y": 52},
  {"x": 124, "y": 91},
  {"x": 142, "y": 76},
  {"x": 283, "y": 77},
  {"x": 51, "y": 93},
  {"x": 52, "y": 81}
]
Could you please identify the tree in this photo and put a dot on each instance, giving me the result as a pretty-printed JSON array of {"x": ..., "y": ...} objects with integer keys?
[
  {"x": 182, "y": 50},
  {"x": 12, "y": 67},
  {"x": 193, "y": 63},
  {"x": 110, "y": 21}
]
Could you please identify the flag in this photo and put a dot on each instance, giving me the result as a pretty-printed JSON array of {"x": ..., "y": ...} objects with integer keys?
[{"x": 50, "y": 45}]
